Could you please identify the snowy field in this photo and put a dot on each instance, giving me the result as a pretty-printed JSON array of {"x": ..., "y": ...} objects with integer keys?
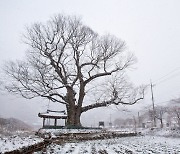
[
  {"x": 9, "y": 143},
  {"x": 151, "y": 142},
  {"x": 126, "y": 145}
]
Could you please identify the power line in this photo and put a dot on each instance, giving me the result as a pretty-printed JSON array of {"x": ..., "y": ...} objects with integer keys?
[
  {"x": 170, "y": 73},
  {"x": 172, "y": 76}
]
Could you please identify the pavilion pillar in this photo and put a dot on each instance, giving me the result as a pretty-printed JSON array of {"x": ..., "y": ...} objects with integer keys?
[
  {"x": 43, "y": 122},
  {"x": 65, "y": 122},
  {"x": 55, "y": 122}
]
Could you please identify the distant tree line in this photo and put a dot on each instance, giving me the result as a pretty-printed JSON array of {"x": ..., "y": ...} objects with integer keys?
[{"x": 166, "y": 116}]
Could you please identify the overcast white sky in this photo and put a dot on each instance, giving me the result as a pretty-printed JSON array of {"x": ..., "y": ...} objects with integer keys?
[{"x": 151, "y": 29}]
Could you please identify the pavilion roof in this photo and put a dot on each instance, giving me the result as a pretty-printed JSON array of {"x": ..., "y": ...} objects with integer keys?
[{"x": 53, "y": 115}]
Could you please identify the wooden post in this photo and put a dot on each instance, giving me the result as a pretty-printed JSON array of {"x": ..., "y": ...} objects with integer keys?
[
  {"x": 55, "y": 122},
  {"x": 65, "y": 122},
  {"x": 43, "y": 122},
  {"x": 154, "y": 112}
]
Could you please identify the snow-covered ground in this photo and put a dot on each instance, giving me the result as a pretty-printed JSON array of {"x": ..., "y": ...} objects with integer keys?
[
  {"x": 156, "y": 141},
  {"x": 162, "y": 141},
  {"x": 135, "y": 145},
  {"x": 9, "y": 143},
  {"x": 166, "y": 132}
]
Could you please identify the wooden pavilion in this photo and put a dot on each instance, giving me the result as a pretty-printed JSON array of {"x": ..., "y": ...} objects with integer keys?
[{"x": 55, "y": 116}]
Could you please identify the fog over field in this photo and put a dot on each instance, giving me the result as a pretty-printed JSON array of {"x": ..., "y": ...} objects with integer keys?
[{"x": 151, "y": 30}]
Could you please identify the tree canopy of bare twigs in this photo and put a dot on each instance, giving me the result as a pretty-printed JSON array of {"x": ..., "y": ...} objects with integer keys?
[
  {"x": 174, "y": 110},
  {"x": 67, "y": 62}
]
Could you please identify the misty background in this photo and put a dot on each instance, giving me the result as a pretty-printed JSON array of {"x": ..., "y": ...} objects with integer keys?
[{"x": 151, "y": 30}]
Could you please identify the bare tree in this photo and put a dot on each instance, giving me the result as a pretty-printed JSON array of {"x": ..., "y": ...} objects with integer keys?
[
  {"x": 160, "y": 113},
  {"x": 175, "y": 110},
  {"x": 67, "y": 62}
]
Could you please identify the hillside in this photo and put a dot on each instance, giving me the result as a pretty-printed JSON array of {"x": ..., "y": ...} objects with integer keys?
[{"x": 11, "y": 125}]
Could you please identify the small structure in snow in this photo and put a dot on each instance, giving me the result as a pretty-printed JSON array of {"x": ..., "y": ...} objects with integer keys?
[
  {"x": 101, "y": 124},
  {"x": 52, "y": 115}
]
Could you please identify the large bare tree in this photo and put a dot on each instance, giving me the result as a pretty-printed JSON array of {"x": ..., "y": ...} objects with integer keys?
[
  {"x": 67, "y": 62},
  {"x": 159, "y": 114}
]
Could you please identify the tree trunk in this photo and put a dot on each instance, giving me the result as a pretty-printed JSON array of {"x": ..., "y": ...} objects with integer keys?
[
  {"x": 77, "y": 116},
  {"x": 73, "y": 111},
  {"x": 70, "y": 116},
  {"x": 73, "y": 117}
]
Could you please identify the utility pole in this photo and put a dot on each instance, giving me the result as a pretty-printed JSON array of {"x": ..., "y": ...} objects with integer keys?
[{"x": 154, "y": 117}]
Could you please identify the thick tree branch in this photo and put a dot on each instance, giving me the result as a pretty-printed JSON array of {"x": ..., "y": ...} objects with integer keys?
[
  {"x": 115, "y": 101},
  {"x": 107, "y": 103}
]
